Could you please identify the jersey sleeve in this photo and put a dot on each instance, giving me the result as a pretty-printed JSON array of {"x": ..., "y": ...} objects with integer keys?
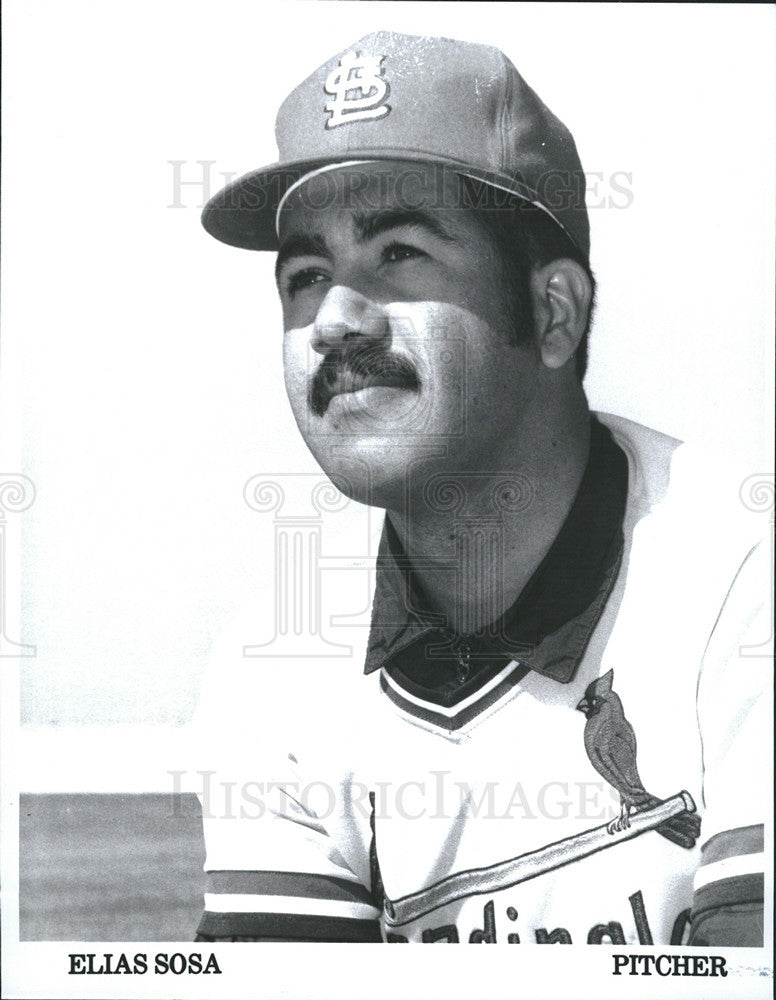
[
  {"x": 734, "y": 711},
  {"x": 274, "y": 870}
]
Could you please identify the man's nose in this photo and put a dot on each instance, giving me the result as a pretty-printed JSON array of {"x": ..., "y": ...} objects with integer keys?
[{"x": 345, "y": 314}]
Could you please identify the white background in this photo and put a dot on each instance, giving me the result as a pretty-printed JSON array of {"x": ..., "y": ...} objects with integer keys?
[{"x": 146, "y": 356}]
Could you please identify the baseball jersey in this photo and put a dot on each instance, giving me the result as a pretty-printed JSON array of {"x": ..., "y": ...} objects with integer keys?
[{"x": 621, "y": 801}]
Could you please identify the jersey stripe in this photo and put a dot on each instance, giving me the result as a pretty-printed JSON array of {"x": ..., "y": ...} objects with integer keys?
[
  {"x": 438, "y": 715},
  {"x": 729, "y": 892},
  {"x": 287, "y": 926},
  {"x": 730, "y": 876},
  {"x": 746, "y": 864},
  {"x": 282, "y": 905},
  {"x": 453, "y": 710},
  {"x": 253, "y": 903},
  {"x": 277, "y": 883},
  {"x": 732, "y": 843}
]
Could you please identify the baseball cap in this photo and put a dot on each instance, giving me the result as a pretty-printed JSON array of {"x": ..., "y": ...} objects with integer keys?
[{"x": 411, "y": 98}]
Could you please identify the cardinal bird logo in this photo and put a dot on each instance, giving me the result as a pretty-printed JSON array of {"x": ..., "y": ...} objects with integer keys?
[{"x": 610, "y": 743}]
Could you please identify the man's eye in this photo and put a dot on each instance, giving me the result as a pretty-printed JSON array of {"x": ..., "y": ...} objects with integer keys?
[
  {"x": 306, "y": 278},
  {"x": 401, "y": 251}
]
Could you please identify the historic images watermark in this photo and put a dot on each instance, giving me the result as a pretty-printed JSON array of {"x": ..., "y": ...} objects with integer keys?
[
  {"x": 192, "y": 182},
  {"x": 313, "y": 548},
  {"x": 758, "y": 494},
  {"x": 17, "y": 494},
  {"x": 440, "y": 796}
]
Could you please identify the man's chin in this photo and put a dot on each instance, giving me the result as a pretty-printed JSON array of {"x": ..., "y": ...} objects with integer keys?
[{"x": 370, "y": 470}]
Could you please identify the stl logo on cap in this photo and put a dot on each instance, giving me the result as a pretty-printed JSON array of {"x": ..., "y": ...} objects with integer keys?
[{"x": 356, "y": 75}]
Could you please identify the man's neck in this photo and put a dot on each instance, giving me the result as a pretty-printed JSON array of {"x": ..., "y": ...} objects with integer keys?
[{"x": 475, "y": 539}]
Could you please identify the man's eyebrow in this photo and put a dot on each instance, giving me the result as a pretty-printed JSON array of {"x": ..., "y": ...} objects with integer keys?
[
  {"x": 303, "y": 245},
  {"x": 368, "y": 225},
  {"x": 371, "y": 224}
]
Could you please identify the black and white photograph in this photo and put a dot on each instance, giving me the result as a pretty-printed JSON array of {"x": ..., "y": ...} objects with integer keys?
[{"x": 387, "y": 505}]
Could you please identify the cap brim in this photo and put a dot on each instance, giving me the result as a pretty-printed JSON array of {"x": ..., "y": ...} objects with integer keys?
[{"x": 243, "y": 213}]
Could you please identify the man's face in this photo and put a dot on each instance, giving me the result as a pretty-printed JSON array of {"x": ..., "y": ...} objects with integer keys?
[{"x": 399, "y": 357}]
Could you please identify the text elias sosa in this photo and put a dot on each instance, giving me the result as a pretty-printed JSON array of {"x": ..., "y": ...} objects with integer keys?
[{"x": 109, "y": 964}]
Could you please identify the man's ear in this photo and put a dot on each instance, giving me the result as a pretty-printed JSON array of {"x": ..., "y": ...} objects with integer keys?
[{"x": 561, "y": 297}]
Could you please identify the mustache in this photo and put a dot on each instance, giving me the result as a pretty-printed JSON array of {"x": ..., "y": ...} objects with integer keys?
[{"x": 356, "y": 366}]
